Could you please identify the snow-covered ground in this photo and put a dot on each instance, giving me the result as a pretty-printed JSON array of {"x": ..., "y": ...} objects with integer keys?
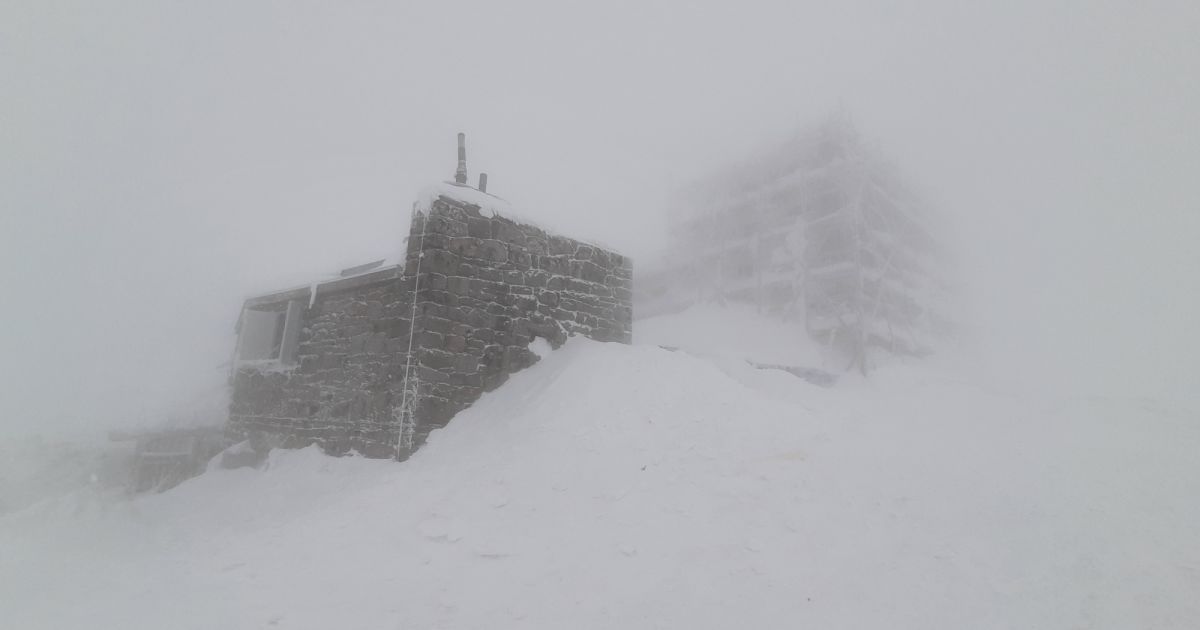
[
  {"x": 731, "y": 332},
  {"x": 34, "y": 468},
  {"x": 631, "y": 487}
]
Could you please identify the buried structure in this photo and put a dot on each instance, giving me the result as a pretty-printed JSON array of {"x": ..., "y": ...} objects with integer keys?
[{"x": 375, "y": 358}]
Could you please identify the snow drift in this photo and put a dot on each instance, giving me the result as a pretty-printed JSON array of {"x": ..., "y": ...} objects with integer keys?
[{"x": 613, "y": 486}]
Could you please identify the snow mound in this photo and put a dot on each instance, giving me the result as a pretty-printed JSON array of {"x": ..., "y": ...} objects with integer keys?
[
  {"x": 612, "y": 486},
  {"x": 733, "y": 331}
]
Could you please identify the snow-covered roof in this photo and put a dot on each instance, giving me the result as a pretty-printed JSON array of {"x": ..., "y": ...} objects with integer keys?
[
  {"x": 491, "y": 206},
  {"x": 379, "y": 266}
]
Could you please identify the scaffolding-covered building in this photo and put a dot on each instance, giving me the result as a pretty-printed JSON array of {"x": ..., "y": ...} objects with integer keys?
[{"x": 818, "y": 230}]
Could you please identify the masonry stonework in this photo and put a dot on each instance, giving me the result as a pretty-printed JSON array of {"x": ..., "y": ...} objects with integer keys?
[
  {"x": 476, "y": 290},
  {"x": 339, "y": 392}
]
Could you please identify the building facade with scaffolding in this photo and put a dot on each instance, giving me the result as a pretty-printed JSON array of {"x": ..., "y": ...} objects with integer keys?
[{"x": 817, "y": 230}]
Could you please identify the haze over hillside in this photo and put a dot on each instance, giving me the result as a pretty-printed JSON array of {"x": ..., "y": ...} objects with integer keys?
[
  {"x": 629, "y": 486},
  {"x": 817, "y": 424},
  {"x": 161, "y": 162}
]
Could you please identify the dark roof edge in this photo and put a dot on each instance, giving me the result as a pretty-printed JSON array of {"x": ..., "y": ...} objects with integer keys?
[{"x": 326, "y": 286}]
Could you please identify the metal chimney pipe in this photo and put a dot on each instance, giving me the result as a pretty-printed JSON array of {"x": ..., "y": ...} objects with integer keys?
[
  {"x": 460, "y": 175},
  {"x": 483, "y": 182}
]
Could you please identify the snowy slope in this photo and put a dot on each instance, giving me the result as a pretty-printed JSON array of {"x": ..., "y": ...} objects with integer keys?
[
  {"x": 732, "y": 331},
  {"x": 630, "y": 487}
]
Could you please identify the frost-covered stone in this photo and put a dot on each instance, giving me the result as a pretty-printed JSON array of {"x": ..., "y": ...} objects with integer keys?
[{"x": 384, "y": 360}]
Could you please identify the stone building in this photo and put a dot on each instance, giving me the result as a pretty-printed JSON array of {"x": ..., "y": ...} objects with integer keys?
[{"x": 376, "y": 358}]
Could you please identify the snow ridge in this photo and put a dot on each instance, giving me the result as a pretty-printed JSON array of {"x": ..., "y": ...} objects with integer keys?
[{"x": 628, "y": 486}]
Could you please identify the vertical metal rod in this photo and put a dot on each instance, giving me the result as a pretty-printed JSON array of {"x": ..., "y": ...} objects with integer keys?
[{"x": 405, "y": 438}]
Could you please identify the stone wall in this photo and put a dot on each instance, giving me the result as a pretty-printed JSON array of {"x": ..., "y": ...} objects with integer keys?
[
  {"x": 489, "y": 286},
  {"x": 350, "y": 363},
  {"x": 485, "y": 288}
]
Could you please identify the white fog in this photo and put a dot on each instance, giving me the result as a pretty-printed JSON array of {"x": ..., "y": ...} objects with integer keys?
[{"x": 1033, "y": 466}]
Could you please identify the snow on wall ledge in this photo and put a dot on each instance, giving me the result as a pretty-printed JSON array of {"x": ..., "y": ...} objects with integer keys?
[{"x": 478, "y": 289}]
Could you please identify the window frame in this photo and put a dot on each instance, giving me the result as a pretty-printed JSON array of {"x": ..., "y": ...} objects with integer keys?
[{"x": 289, "y": 336}]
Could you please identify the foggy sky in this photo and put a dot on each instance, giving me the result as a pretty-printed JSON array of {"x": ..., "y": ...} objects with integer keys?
[{"x": 160, "y": 160}]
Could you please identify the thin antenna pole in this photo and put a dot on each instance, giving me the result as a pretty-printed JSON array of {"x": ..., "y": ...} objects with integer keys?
[{"x": 405, "y": 436}]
